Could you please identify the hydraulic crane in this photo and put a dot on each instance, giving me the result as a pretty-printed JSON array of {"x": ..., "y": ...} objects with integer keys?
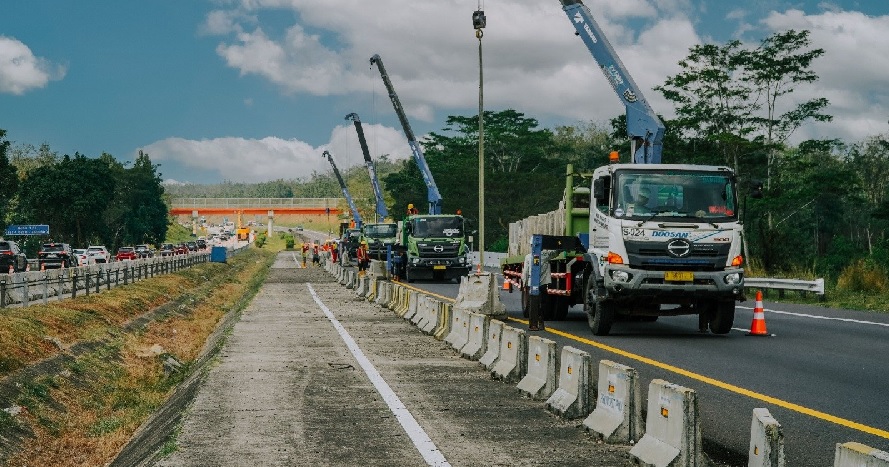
[
  {"x": 382, "y": 213},
  {"x": 645, "y": 129},
  {"x": 355, "y": 215},
  {"x": 434, "y": 197}
]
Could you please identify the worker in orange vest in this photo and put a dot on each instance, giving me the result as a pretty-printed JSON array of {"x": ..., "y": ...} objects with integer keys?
[{"x": 362, "y": 257}]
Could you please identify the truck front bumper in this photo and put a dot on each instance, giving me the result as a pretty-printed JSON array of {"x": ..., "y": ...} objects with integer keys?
[{"x": 623, "y": 281}]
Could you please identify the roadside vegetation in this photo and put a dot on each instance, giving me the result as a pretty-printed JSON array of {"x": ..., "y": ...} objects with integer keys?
[{"x": 80, "y": 375}]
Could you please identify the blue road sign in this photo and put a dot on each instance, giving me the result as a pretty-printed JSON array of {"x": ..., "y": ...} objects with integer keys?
[{"x": 27, "y": 230}]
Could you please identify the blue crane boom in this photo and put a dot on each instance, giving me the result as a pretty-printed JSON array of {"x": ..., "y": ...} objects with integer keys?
[
  {"x": 355, "y": 214},
  {"x": 434, "y": 197},
  {"x": 382, "y": 213},
  {"x": 645, "y": 129}
]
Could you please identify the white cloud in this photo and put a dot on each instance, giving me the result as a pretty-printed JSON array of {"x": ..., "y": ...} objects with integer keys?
[
  {"x": 257, "y": 160},
  {"x": 852, "y": 71},
  {"x": 21, "y": 71}
]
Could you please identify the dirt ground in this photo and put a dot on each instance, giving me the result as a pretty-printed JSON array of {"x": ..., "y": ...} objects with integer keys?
[{"x": 285, "y": 390}]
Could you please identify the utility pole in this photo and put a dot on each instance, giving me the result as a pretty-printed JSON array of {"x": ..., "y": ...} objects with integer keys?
[{"x": 478, "y": 22}]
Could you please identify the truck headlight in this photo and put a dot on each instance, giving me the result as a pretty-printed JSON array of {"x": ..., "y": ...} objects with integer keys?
[
  {"x": 415, "y": 260},
  {"x": 620, "y": 276},
  {"x": 733, "y": 278}
]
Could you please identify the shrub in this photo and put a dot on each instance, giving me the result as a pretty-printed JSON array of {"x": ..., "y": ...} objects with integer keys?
[
  {"x": 289, "y": 242},
  {"x": 863, "y": 276}
]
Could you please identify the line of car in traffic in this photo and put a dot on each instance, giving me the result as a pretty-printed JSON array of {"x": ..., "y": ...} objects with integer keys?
[{"x": 62, "y": 255}]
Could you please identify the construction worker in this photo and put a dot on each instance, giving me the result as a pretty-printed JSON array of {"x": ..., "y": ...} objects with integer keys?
[
  {"x": 362, "y": 258},
  {"x": 316, "y": 257},
  {"x": 411, "y": 210},
  {"x": 305, "y": 253},
  {"x": 538, "y": 304}
]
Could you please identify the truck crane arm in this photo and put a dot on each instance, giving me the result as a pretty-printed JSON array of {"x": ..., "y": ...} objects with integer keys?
[
  {"x": 645, "y": 129},
  {"x": 382, "y": 213},
  {"x": 433, "y": 195},
  {"x": 339, "y": 178}
]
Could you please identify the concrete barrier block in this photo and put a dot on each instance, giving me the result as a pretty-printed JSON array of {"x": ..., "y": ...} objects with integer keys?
[
  {"x": 443, "y": 313},
  {"x": 672, "y": 429},
  {"x": 476, "y": 341},
  {"x": 384, "y": 289},
  {"x": 422, "y": 310},
  {"x": 513, "y": 363},
  {"x": 539, "y": 382},
  {"x": 459, "y": 334},
  {"x": 430, "y": 320},
  {"x": 572, "y": 398},
  {"x": 766, "y": 441},
  {"x": 859, "y": 455},
  {"x": 495, "y": 329},
  {"x": 351, "y": 279},
  {"x": 411, "y": 305},
  {"x": 479, "y": 293},
  {"x": 617, "y": 417}
]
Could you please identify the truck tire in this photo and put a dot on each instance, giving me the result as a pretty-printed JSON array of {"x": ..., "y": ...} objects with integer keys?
[
  {"x": 723, "y": 317},
  {"x": 407, "y": 275},
  {"x": 600, "y": 317},
  {"x": 600, "y": 312}
]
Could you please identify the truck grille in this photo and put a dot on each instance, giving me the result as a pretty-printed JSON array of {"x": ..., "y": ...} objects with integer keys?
[
  {"x": 703, "y": 256},
  {"x": 438, "y": 250}
]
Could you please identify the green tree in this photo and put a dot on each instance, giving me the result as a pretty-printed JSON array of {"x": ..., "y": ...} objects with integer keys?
[
  {"x": 71, "y": 197},
  {"x": 518, "y": 155},
  {"x": 8, "y": 180}
]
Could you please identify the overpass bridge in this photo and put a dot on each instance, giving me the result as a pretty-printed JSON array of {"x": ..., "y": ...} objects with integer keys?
[{"x": 255, "y": 206}]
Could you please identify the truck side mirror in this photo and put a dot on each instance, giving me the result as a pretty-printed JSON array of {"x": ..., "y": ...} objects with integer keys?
[{"x": 599, "y": 189}]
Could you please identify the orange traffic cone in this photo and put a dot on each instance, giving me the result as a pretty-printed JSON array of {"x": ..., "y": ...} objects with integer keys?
[
  {"x": 507, "y": 285},
  {"x": 758, "y": 327},
  {"x": 43, "y": 266},
  {"x": 11, "y": 269}
]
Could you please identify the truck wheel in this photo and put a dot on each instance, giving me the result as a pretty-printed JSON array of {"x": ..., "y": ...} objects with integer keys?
[
  {"x": 407, "y": 275},
  {"x": 723, "y": 318},
  {"x": 600, "y": 318}
]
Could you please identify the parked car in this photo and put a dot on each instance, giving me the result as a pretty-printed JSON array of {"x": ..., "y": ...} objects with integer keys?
[
  {"x": 168, "y": 249},
  {"x": 99, "y": 253},
  {"x": 181, "y": 249},
  {"x": 202, "y": 244},
  {"x": 144, "y": 251},
  {"x": 83, "y": 258},
  {"x": 192, "y": 246},
  {"x": 12, "y": 257},
  {"x": 56, "y": 255},
  {"x": 126, "y": 253}
]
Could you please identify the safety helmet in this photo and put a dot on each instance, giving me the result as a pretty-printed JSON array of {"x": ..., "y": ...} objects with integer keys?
[{"x": 410, "y": 205}]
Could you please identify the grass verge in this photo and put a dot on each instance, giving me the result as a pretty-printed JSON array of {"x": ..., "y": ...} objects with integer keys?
[{"x": 80, "y": 376}]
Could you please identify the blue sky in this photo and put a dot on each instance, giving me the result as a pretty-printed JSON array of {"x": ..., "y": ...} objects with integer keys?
[{"x": 255, "y": 90}]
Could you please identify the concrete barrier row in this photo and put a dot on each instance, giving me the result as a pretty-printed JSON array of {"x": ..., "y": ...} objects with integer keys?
[{"x": 670, "y": 434}]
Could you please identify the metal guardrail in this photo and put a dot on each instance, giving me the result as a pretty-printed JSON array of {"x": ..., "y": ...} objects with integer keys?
[
  {"x": 24, "y": 288},
  {"x": 816, "y": 286}
]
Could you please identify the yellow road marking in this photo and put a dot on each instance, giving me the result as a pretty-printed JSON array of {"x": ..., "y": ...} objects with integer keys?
[
  {"x": 704, "y": 379},
  {"x": 721, "y": 384}
]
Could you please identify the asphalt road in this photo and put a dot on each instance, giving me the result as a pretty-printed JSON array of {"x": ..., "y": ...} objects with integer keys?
[
  {"x": 824, "y": 374},
  {"x": 312, "y": 375}
]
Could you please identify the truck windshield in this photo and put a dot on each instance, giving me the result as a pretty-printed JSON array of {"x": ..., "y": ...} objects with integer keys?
[
  {"x": 380, "y": 230},
  {"x": 677, "y": 193},
  {"x": 451, "y": 227}
]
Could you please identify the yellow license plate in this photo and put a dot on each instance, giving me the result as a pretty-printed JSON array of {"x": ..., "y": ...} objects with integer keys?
[
  {"x": 439, "y": 266},
  {"x": 679, "y": 276}
]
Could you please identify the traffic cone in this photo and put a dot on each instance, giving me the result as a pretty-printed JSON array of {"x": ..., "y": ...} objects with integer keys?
[
  {"x": 507, "y": 285},
  {"x": 42, "y": 266},
  {"x": 11, "y": 269},
  {"x": 758, "y": 327}
]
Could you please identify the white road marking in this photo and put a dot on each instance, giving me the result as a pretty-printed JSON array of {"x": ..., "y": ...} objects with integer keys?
[
  {"x": 829, "y": 318},
  {"x": 421, "y": 440},
  {"x": 299, "y": 265}
]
